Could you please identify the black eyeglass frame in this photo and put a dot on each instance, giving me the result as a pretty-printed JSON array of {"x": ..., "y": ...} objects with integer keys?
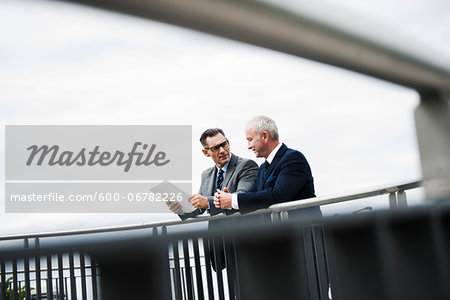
[{"x": 217, "y": 147}]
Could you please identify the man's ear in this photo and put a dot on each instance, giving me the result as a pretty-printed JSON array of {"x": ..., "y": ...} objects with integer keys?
[
  {"x": 264, "y": 136},
  {"x": 206, "y": 152}
]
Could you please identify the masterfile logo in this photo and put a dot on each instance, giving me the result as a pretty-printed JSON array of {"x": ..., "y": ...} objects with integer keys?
[
  {"x": 91, "y": 158},
  {"x": 98, "y": 152},
  {"x": 96, "y": 168}
]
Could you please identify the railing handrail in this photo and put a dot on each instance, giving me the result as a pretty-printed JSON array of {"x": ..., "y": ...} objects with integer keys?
[
  {"x": 286, "y": 206},
  {"x": 364, "y": 193}
]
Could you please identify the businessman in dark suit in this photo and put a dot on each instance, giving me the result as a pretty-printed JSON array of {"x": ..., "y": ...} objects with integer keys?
[
  {"x": 230, "y": 172},
  {"x": 284, "y": 176}
]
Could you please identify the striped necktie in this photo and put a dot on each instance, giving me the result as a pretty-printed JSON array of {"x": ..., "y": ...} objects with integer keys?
[{"x": 219, "y": 180}]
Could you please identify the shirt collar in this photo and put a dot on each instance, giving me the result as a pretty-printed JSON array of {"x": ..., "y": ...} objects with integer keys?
[{"x": 273, "y": 153}]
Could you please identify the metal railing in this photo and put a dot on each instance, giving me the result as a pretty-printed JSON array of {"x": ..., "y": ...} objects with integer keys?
[
  {"x": 51, "y": 276},
  {"x": 394, "y": 190},
  {"x": 397, "y": 197},
  {"x": 76, "y": 270}
]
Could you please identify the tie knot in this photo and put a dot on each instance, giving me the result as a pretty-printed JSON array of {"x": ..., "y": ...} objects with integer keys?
[{"x": 221, "y": 172}]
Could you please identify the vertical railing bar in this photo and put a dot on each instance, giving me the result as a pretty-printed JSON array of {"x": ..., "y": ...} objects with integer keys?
[
  {"x": 66, "y": 290},
  {"x": 387, "y": 258},
  {"x": 321, "y": 262},
  {"x": 164, "y": 230},
  {"x": 229, "y": 268},
  {"x": 83, "y": 276},
  {"x": 15, "y": 291},
  {"x": 275, "y": 217},
  {"x": 61, "y": 276},
  {"x": 171, "y": 280},
  {"x": 232, "y": 268},
  {"x": 218, "y": 272},
  {"x": 11, "y": 287},
  {"x": 177, "y": 277},
  {"x": 392, "y": 201},
  {"x": 58, "y": 294},
  {"x": 164, "y": 234},
  {"x": 173, "y": 292},
  {"x": 94, "y": 279},
  {"x": 73, "y": 284},
  {"x": 183, "y": 281},
  {"x": 284, "y": 216},
  {"x": 327, "y": 260},
  {"x": 49, "y": 278},
  {"x": 208, "y": 268},
  {"x": 3, "y": 279},
  {"x": 318, "y": 259},
  {"x": 198, "y": 269},
  {"x": 37, "y": 263},
  {"x": 310, "y": 263},
  {"x": 26, "y": 266},
  {"x": 401, "y": 199},
  {"x": 328, "y": 254},
  {"x": 187, "y": 266}
]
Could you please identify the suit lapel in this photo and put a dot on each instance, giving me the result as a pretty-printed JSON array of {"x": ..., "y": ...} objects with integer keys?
[
  {"x": 261, "y": 180},
  {"x": 212, "y": 182},
  {"x": 275, "y": 160}
]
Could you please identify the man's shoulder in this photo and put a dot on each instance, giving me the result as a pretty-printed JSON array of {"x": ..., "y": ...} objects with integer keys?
[
  {"x": 290, "y": 154},
  {"x": 291, "y": 151},
  {"x": 245, "y": 162},
  {"x": 208, "y": 171}
]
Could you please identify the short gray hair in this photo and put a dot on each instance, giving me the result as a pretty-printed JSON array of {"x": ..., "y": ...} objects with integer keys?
[{"x": 263, "y": 123}]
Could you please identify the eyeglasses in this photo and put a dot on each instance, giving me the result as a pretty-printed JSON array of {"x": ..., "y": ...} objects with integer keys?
[{"x": 217, "y": 147}]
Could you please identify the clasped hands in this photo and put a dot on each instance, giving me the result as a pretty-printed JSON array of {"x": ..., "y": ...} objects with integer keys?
[{"x": 222, "y": 199}]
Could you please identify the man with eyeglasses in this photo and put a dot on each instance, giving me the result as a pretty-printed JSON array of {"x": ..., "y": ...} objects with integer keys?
[{"x": 230, "y": 172}]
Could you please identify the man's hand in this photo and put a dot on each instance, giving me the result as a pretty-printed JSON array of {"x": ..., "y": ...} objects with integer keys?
[
  {"x": 217, "y": 199},
  {"x": 222, "y": 199},
  {"x": 174, "y": 207},
  {"x": 198, "y": 201}
]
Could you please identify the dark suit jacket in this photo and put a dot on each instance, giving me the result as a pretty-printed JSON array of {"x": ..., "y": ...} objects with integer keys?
[{"x": 288, "y": 178}]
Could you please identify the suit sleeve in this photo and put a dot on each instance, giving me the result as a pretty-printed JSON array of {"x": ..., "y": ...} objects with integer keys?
[
  {"x": 293, "y": 175},
  {"x": 198, "y": 211},
  {"x": 212, "y": 208},
  {"x": 184, "y": 216},
  {"x": 247, "y": 177}
]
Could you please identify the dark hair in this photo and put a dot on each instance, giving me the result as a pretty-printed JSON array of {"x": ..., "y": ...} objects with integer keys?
[{"x": 210, "y": 133}]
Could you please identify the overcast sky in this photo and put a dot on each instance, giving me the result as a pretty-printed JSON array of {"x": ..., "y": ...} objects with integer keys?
[{"x": 66, "y": 64}]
